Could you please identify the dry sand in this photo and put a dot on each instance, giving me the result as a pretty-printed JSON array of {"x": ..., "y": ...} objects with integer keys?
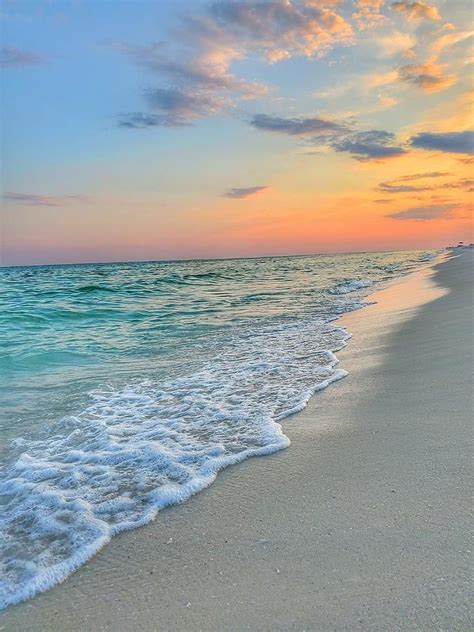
[{"x": 362, "y": 524}]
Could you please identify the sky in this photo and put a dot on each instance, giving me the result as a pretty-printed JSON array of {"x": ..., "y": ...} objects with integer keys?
[{"x": 183, "y": 129}]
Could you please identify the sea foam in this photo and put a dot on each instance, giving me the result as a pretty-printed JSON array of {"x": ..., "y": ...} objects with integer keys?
[
  {"x": 350, "y": 285},
  {"x": 133, "y": 451}
]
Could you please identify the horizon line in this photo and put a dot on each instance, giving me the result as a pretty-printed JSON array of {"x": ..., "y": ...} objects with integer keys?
[{"x": 236, "y": 258}]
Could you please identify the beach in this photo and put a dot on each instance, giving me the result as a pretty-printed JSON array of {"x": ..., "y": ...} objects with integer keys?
[{"x": 361, "y": 524}]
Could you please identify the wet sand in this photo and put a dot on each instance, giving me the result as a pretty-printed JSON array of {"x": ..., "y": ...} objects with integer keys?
[{"x": 362, "y": 524}]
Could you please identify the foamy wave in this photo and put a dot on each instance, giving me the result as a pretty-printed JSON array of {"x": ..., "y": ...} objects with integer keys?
[
  {"x": 136, "y": 450},
  {"x": 345, "y": 287}
]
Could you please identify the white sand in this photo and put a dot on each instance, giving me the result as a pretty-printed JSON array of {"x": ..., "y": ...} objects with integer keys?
[{"x": 362, "y": 524}]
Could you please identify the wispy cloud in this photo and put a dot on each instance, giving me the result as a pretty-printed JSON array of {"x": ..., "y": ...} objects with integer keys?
[
  {"x": 34, "y": 199},
  {"x": 298, "y": 126},
  {"x": 394, "y": 43},
  {"x": 450, "y": 142},
  {"x": 427, "y": 76},
  {"x": 11, "y": 57},
  {"x": 448, "y": 37},
  {"x": 245, "y": 192},
  {"x": 388, "y": 187},
  {"x": 145, "y": 120},
  {"x": 422, "y": 176},
  {"x": 181, "y": 106},
  {"x": 398, "y": 184},
  {"x": 414, "y": 11},
  {"x": 425, "y": 213}
]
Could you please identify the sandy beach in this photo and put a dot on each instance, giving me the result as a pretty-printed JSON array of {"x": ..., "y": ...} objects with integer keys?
[{"x": 361, "y": 524}]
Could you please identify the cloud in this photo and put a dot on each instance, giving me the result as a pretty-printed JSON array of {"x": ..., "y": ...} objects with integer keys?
[
  {"x": 456, "y": 113},
  {"x": 274, "y": 30},
  {"x": 181, "y": 106},
  {"x": 175, "y": 108},
  {"x": 427, "y": 76},
  {"x": 368, "y": 13},
  {"x": 450, "y": 142},
  {"x": 425, "y": 213},
  {"x": 369, "y": 145},
  {"x": 11, "y": 57},
  {"x": 448, "y": 39},
  {"x": 240, "y": 193},
  {"x": 145, "y": 120},
  {"x": 196, "y": 72},
  {"x": 384, "y": 102},
  {"x": 394, "y": 43},
  {"x": 362, "y": 145},
  {"x": 387, "y": 187},
  {"x": 466, "y": 184},
  {"x": 414, "y": 11},
  {"x": 33, "y": 199},
  {"x": 421, "y": 176},
  {"x": 377, "y": 79},
  {"x": 397, "y": 186},
  {"x": 196, "y": 68},
  {"x": 310, "y": 126}
]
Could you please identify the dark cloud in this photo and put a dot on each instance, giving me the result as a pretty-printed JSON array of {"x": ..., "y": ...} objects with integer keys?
[
  {"x": 369, "y": 145},
  {"x": 11, "y": 57},
  {"x": 424, "y": 213},
  {"x": 239, "y": 193},
  {"x": 145, "y": 120},
  {"x": 363, "y": 145},
  {"x": 33, "y": 199},
  {"x": 311, "y": 126},
  {"x": 450, "y": 142}
]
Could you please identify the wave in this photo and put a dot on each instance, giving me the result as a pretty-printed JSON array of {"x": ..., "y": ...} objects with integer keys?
[
  {"x": 192, "y": 279},
  {"x": 95, "y": 288},
  {"x": 350, "y": 285},
  {"x": 133, "y": 451}
]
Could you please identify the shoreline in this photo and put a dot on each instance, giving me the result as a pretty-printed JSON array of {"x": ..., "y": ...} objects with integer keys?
[{"x": 277, "y": 561}]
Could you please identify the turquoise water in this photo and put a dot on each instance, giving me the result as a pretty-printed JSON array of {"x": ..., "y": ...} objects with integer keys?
[{"x": 126, "y": 387}]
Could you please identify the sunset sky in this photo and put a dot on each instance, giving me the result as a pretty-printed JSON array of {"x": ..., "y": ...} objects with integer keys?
[{"x": 180, "y": 129}]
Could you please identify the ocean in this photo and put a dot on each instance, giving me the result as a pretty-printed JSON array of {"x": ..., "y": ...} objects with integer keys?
[{"x": 126, "y": 387}]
